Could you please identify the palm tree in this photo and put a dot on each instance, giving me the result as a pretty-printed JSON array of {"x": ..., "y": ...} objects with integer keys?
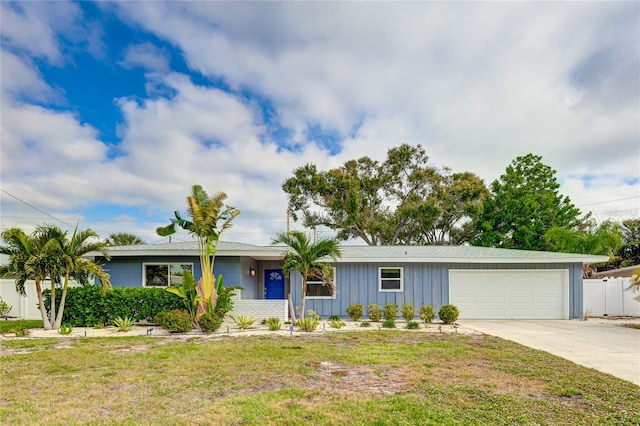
[
  {"x": 76, "y": 267},
  {"x": 123, "y": 239},
  {"x": 306, "y": 258},
  {"x": 209, "y": 218},
  {"x": 48, "y": 254}
]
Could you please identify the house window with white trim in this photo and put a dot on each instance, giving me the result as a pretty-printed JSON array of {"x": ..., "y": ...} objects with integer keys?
[
  {"x": 390, "y": 279},
  {"x": 316, "y": 289},
  {"x": 164, "y": 274}
]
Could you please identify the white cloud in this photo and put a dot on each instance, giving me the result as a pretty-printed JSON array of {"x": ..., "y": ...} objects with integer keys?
[{"x": 147, "y": 56}]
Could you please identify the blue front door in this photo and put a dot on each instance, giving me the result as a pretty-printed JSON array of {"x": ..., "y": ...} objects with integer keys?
[{"x": 273, "y": 284}]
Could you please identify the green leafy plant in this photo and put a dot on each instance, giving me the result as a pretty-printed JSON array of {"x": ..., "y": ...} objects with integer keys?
[
  {"x": 355, "y": 311},
  {"x": 21, "y": 331},
  {"x": 390, "y": 311},
  {"x": 413, "y": 325},
  {"x": 333, "y": 317},
  {"x": 309, "y": 323},
  {"x": 375, "y": 313},
  {"x": 336, "y": 323},
  {"x": 448, "y": 313},
  {"x": 365, "y": 324},
  {"x": 426, "y": 314},
  {"x": 123, "y": 324},
  {"x": 274, "y": 324},
  {"x": 65, "y": 329},
  {"x": 407, "y": 312},
  {"x": 5, "y": 308},
  {"x": 176, "y": 320},
  {"x": 243, "y": 321},
  {"x": 209, "y": 322},
  {"x": 188, "y": 293},
  {"x": 389, "y": 323}
]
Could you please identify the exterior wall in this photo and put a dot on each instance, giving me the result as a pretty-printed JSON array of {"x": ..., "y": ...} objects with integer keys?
[
  {"x": 424, "y": 284},
  {"x": 261, "y": 309}
]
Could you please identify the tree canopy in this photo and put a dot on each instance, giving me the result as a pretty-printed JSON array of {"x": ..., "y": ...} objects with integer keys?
[
  {"x": 123, "y": 239},
  {"x": 524, "y": 203},
  {"x": 402, "y": 200}
]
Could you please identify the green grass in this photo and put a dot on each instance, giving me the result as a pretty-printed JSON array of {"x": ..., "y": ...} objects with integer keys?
[
  {"x": 363, "y": 378},
  {"x": 9, "y": 326}
]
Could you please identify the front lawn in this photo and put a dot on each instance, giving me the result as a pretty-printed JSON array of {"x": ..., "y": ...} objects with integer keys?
[
  {"x": 363, "y": 378},
  {"x": 9, "y": 326}
]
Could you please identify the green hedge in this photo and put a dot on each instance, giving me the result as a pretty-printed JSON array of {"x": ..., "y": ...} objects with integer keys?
[{"x": 89, "y": 306}]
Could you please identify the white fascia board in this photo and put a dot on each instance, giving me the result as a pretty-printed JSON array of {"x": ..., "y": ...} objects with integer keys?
[{"x": 578, "y": 259}]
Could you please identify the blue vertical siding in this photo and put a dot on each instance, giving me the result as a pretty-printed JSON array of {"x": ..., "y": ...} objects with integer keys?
[{"x": 424, "y": 284}]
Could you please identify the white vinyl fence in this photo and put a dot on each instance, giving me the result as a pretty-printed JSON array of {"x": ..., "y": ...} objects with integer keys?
[
  {"x": 609, "y": 297},
  {"x": 23, "y": 307}
]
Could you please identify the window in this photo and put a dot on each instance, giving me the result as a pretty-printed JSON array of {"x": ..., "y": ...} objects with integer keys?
[
  {"x": 390, "y": 279},
  {"x": 164, "y": 274},
  {"x": 316, "y": 288}
]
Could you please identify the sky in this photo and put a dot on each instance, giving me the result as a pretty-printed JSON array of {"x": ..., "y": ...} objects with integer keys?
[{"x": 111, "y": 111}]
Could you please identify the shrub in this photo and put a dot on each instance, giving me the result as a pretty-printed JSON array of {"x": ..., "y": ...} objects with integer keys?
[
  {"x": 336, "y": 323},
  {"x": 448, "y": 314},
  {"x": 390, "y": 311},
  {"x": 5, "y": 308},
  {"x": 365, "y": 324},
  {"x": 209, "y": 322},
  {"x": 21, "y": 331},
  {"x": 65, "y": 329},
  {"x": 123, "y": 324},
  {"x": 355, "y": 311},
  {"x": 224, "y": 302},
  {"x": 309, "y": 324},
  {"x": 375, "y": 313},
  {"x": 333, "y": 318},
  {"x": 89, "y": 306},
  {"x": 176, "y": 320},
  {"x": 389, "y": 323},
  {"x": 413, "y": 325},
  {"x": 274, "y": 324},
  {"x": 426, "y": 314},
  {"x": 243, "y": 321},
  {"x": 407, "y": 312}
]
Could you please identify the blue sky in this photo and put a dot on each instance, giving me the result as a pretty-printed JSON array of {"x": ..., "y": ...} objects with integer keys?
[{"x": 110, "y": 111}]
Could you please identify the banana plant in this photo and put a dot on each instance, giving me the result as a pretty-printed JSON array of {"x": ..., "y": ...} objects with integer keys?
[{"x": 188, "y": 293}]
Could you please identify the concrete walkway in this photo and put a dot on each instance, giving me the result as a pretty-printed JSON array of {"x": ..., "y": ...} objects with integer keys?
[{"x": 604, "y": 347}]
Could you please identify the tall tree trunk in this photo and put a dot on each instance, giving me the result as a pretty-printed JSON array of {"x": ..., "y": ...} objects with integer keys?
[
  {"x": 52, "y": 313},
  {"x": 58, "y": 322},
  {"x": 45, "y": 319},
  {"x": 302, "y": 297},
  {"x": 294, "y": 321}
]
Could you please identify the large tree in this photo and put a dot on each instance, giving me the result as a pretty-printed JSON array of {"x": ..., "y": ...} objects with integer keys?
[
  {"x": 523, "y": 205},
  {"x": 49, "y": 254},
  {"x": 308, "y": 258},
  {"x": 123, "y": 239},
  {"x": 402, "y": 200},
  {"x": 209, "y": 218}
]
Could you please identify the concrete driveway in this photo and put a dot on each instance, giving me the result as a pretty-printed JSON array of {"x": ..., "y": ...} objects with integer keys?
[{"x": 607, "y": 348}]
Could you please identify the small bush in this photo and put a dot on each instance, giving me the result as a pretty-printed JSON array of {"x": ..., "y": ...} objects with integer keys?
[
  {"x": 336, "y": 324},
  {"x": 65, "y": 329},
  {"x": 309, "y": 324},
  {"x": 209, "y": 322},
  {"x": 390, "y": 311},
  {"x": 176, "y": 321},
  {"x": 407, "y": 312},
  {"x": 243, "y": 321},
  {"x": 413, "y": 325},
  {"x": 448, "y": 313},
  {"x": 426, "y": 314},
  {"x": 355, "y": 311},
  {"x": 389, "y": 323},
  {"x": 365, "y": 324},
  {"x": 123, "y": 324},
  {"x": 21, "y": 331},
  {"x": 274, "y": 324},
  {"x": 333, "y": 318},
  {"x": 375, "y": 313},
  {"x": 5, "y": 308}
]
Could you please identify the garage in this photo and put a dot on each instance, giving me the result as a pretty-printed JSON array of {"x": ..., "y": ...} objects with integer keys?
[{"x": 510, "y": 294}]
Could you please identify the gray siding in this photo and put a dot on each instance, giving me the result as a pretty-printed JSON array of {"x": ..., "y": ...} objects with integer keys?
[{"x": 424, "y": 284}]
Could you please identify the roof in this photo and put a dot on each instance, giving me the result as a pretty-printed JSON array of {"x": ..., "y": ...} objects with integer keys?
[
  {"x": 620, "y": 272},
  {"x": 412, "y": 254}
]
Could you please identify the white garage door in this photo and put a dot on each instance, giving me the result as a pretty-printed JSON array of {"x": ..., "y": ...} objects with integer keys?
[{"x": 510, "y": 294}]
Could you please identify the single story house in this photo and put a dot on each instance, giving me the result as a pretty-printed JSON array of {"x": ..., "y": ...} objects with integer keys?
[{"x": 485, "y": 283}]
